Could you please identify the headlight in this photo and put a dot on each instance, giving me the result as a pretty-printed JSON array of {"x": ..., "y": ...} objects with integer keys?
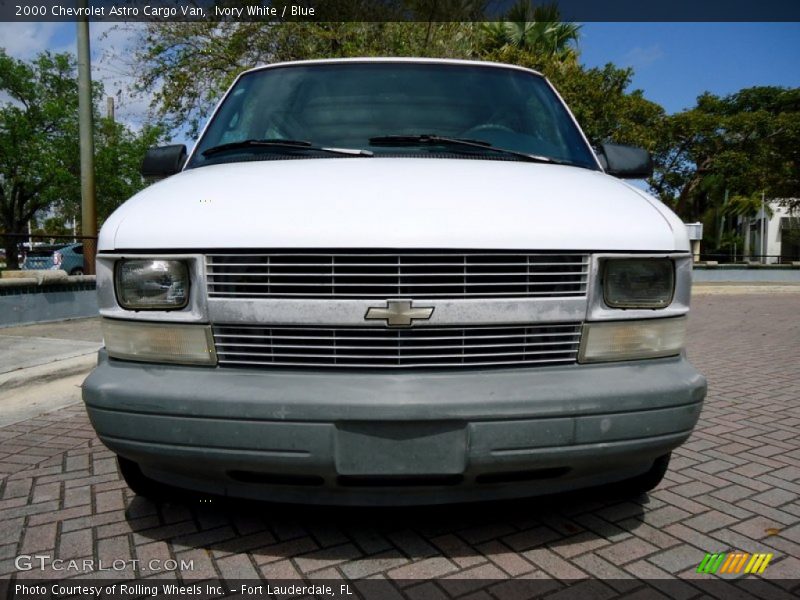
[
  {"x": 159, "y": 342},
  {"x": 152, "y": 284},
  {"x": 632, "y": 340},
  {"x": 638, "y": 282}
]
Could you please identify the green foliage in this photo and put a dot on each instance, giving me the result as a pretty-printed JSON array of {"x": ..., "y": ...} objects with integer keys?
[
  {"x": 746, "y": 143},
  {"x": 744, "y": 206},
  {"x": 55, "y": 225},
  {"x": 39, "y": 153},
  {"x": 536, "y": 30},
  {"x": 605, "y": 108},
  {"x": 38, "y": 139},
  {"x": 118, "y": 157}
]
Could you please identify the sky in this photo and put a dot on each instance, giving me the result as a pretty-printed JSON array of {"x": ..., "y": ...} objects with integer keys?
[{"x": 673, "y": 62}]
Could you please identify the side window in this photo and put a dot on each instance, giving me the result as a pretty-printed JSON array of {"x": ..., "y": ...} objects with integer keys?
[{"x": 78, "y": 249}]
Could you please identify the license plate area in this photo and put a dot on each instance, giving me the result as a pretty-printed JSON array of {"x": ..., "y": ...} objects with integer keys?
[{"x": 402, "y": 448}]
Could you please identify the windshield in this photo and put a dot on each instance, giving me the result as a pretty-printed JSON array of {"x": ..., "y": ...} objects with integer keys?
[{"x": 357, "y": 106}]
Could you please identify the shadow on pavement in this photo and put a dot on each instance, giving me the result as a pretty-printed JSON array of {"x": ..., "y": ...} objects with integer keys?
[{"x": 554, "y": 520}]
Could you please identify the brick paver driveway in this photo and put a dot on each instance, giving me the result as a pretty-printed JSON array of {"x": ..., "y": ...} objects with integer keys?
[{"x": 733, "y": 486}]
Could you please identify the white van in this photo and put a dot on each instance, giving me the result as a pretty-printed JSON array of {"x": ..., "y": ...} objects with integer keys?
[{"x": 393, "y": 281}]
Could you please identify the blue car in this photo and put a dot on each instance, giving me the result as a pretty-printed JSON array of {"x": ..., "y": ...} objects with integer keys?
[{"x": 67, "y": 258}]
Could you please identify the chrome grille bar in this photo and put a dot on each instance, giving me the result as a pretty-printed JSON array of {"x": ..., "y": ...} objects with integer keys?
[
  {"x": 259, "y": 346},
  {"x": 394, "y": 275}
]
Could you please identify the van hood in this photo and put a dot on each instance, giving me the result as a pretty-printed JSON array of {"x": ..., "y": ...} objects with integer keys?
[{"x": 393, "y": 203}]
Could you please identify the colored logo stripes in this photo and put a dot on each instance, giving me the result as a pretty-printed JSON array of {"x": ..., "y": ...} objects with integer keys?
[{"x": 734, "y": 563}]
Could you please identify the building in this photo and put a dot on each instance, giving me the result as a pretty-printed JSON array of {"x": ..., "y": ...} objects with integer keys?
[{"x": 780, "y": 242}]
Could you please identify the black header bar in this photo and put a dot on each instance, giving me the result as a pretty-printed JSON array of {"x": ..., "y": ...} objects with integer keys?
[{"x": 394, "y": 10}]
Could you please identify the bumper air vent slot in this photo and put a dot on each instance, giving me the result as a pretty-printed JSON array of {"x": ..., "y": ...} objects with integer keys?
[
  {"x": 518, "y": 476},
  {"x": 275, "y": 478},
  {"x": 399, "y": 480}
]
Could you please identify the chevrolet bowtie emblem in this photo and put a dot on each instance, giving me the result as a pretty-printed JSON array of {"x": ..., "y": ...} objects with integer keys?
[{"x": 399, "y": 313}]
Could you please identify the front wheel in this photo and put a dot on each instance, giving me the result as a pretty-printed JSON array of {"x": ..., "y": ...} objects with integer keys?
[
  {"x": 140, "y": 483},
  {"x": 76, "y": 271},
  {"x": 645, "y": 482}
]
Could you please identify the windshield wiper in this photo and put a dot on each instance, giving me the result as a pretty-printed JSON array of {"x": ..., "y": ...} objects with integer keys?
[
  {"x": 300, "y": 145},
  {"x": 439, "y": 140}
]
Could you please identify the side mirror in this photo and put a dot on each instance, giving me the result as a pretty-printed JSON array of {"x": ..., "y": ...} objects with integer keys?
[
  {"x": 163, "y": 161},
  {"x": 626, "y": 162}
]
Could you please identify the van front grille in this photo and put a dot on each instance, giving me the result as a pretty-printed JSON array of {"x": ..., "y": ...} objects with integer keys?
[
  {"x": 394, "y": 275},
  {"x": 373, "y": 347}
]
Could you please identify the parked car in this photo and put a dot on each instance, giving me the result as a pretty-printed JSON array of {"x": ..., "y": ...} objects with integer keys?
[
  {"x": 38, "y": 257},
  {"x": 393, "y": 281},
  {"x": 67, "y": 258}
]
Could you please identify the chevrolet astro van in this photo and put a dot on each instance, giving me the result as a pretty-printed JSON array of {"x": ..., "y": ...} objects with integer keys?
[{"x": 393, "y": 281}]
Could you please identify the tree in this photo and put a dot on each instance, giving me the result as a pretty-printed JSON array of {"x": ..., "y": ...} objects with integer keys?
[
  {"x": 118, "y": 157},
  {"x": 538, "y": 31},
  {"x": 39, "y": 153},
  {"x": 745, "y": 144},
  {"x": 606, "y": 108},
  {"x": 55, "y": 226},
  {"x": 38, "y": 140}
]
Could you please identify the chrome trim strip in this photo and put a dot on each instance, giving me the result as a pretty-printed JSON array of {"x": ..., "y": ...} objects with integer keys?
[{"x": 333, "y": 312}]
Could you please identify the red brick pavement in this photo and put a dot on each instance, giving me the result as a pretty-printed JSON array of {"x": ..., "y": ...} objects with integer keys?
[{"x": 734, "y": 485}]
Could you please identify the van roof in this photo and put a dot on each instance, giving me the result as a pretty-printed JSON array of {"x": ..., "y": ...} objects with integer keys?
[{"x": 390, "y": 59}]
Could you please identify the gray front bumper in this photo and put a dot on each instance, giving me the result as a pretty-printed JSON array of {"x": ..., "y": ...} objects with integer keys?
[{"x": 393, "y": 438}]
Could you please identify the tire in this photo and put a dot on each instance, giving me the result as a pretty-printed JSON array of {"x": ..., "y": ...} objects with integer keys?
[
  {"x": 641, "y": 484},
  {"x": 140, "y": 483},
  {"x": 76, "y": 271}
]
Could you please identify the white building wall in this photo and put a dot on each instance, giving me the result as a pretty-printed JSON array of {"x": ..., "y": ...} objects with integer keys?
[{"x": 772, "y": 247}]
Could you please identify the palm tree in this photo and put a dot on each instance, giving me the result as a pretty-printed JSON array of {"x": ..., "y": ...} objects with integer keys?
[{"x": 536, "y": 30}]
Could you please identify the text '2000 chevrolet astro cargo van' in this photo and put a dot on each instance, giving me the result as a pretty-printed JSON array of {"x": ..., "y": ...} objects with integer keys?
[{"x": 387, "y": 281}]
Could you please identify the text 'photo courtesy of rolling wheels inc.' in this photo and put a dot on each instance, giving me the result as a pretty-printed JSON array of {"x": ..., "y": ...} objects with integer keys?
[{"x": 399, "y": 299}]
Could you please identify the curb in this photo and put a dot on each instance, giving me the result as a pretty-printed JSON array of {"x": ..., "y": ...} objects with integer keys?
[
  {"x": 730, "y": 287},
  {"x": 49, "y": 372}
]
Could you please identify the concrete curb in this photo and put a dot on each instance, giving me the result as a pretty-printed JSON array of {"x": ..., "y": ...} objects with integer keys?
[
  {"x": 729, "y": 287},
  {"x": 41, "y": 374}
]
